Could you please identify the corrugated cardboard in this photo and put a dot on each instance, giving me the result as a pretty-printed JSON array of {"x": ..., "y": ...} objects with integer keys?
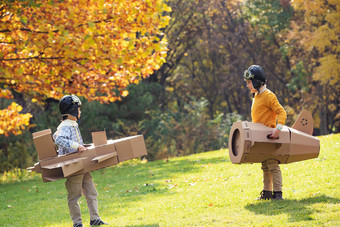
[
  {"x": 304, "y": 123},
  {"x": 44, "y": 144},
  {"x": 62, "y": 166},
  {"x": 100, "y": 154},
  {"x": 303, "y": 146},
  {"x": 99, "y": 138},
  {"x": 99, "y": 157},
  {"x": 36, "y": 168},
  {"x": 248, "y": 142},
  {"x": 130, "y": 147}
]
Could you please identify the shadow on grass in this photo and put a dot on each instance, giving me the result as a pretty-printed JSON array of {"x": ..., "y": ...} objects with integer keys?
[
  {"x": 156, "y": 170},
  {"x": 132, "y": 183},
  {"x": 297, "y": 210},
  {"x": 179, "y": 166},
  {"x": 150, "y": 173}
]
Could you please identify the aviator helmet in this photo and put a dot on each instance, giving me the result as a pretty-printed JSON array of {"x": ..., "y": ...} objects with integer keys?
[
  {"x": 69, "y": 104},
  {"x": 256, "y": 74}
]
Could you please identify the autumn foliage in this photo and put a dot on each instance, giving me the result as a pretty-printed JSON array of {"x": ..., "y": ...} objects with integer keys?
[
  {"x": 13, "y": 122},
  {"x": 319, "y": 30},
  {"x": 91, "y": 48}
]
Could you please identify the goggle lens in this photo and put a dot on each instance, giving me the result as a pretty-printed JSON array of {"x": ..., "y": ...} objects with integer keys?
[
  {"x": 247, "y": 75},
  {"x": 75, "y": 99}
]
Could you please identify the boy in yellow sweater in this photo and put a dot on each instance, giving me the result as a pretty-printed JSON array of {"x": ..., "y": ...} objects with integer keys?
[{"x": 267, "y": 110}]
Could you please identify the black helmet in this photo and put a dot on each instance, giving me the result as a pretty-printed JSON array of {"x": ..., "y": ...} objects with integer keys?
[
  {"x": 69, "y": 104},
  {"x": 257, "y": 76}
]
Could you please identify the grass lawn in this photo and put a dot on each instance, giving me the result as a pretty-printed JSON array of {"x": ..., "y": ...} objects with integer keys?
[{"x": 197, "y": 190}]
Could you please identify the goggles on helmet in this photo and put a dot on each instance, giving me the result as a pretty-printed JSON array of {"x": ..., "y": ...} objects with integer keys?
[
  {"x": 248, "y": 75},
  {"x": 75, "y": 100}
]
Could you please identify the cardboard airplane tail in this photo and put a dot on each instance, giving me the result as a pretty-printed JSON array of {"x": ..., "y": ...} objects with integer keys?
[
  {"x": 248, "y": 142},
  {"x": 304, "y": 122}
]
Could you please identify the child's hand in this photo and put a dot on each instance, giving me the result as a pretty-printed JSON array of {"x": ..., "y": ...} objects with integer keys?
[
  {"x": 81, "y": 148},
  {"x": 274, "y": 135}
]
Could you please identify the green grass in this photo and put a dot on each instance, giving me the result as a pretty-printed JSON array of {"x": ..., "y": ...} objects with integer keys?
[{"x": 197, "y": 190}]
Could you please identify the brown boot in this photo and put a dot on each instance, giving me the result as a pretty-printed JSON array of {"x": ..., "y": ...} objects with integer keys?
[
  {"x": 265, "y": 195},
  {"x": 277, "y": 196}
]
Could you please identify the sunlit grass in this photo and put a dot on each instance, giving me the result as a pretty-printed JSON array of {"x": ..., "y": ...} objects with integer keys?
[{"x": 197, "y": 190}]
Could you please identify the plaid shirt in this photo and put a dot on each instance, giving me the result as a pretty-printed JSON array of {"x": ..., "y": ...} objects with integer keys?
[{"x": 67, "y": 137}]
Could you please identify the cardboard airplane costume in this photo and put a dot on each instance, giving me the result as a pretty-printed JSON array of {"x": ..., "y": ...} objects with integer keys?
[
  {"x": 248, "y": 142},
  {"x": 101, "y": 154}
]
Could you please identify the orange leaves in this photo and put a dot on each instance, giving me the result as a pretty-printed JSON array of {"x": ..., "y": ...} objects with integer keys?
[
  {"x": 4, "y": 93},
  {"x": 89, "y": 48},
  {"x": 79, "y": 45},
  {"x": 13, "y": 122}
]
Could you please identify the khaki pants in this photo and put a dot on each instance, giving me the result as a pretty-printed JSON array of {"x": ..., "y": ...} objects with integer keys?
[
  {"x": 272, "y": 177},
  {"x": 76, "y": 185}
]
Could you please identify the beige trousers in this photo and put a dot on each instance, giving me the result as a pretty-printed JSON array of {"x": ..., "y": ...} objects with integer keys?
[
  {"x": 76, "y": 185},
  {"x": 272, "y": 177}
]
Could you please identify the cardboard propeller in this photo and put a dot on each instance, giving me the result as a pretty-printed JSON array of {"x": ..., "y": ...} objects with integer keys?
[{"x": 248, "y": 142}]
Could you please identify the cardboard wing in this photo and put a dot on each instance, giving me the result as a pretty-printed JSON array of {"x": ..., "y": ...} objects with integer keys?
[
  {"x": 36, "y": 168},
  {"x": 248, "y": 142},
  {"x": 130, "y": 147}
]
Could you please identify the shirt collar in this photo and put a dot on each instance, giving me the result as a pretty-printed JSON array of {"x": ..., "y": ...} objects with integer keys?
[
  {"x": 263, "y": 89},
  {"x": 68, "y": 122}
]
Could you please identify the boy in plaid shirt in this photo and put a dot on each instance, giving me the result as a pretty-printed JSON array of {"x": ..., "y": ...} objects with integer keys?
[{"x": 68, "y": 139}]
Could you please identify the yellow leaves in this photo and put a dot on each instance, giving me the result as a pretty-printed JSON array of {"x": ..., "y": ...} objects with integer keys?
[
  {"x": 322, "y": 37},
  {"x": 11, "y": 121},
  {"x": 124, "y": 93},
  {"x": 329, "y": 70},
  {"x": 85, "y": 47},
  {"x": 320, "y": 31},
  {"x": 166, "y": 8},
  {"x": 4, "y": 93}
]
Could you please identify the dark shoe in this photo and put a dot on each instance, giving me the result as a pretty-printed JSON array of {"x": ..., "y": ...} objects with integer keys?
[
  {"x": 277, "y": 196},
  {"x": 78, "y": 225},
  {"x": 265, "y": 195},
  {"x": 98, "y": 222}
]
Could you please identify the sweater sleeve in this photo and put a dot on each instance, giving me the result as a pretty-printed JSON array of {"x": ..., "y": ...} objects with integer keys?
[{"x": 278, "y": 109}]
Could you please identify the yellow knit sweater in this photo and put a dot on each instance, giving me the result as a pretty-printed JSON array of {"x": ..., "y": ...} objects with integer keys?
[{"x": 266, "y": 109}]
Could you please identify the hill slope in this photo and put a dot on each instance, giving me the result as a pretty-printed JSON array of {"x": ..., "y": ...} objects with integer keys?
[{"x": 198, "y": 190}]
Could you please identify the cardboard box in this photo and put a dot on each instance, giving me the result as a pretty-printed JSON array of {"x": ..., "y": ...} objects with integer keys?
[
  {"x": 130, "y": 147},
  {"x": 99, "y": 138},
  {"x": 248, "y": 142},
  {"x": 100, "y": 154},
  {"x": 61, "y": 166},
  {"x": 44, "y": 144}
]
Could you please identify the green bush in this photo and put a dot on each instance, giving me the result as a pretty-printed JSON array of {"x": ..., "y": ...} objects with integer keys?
[
  {"x": 173, "y": 133},
  {"x": 16, "y": 155}
]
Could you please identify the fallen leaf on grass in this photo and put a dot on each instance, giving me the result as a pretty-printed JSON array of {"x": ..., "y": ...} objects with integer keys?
[{"x": 172, "y": 185}]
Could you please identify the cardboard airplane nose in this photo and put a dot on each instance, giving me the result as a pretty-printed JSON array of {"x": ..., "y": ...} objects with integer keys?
[{"x": 248, "y": 143}]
